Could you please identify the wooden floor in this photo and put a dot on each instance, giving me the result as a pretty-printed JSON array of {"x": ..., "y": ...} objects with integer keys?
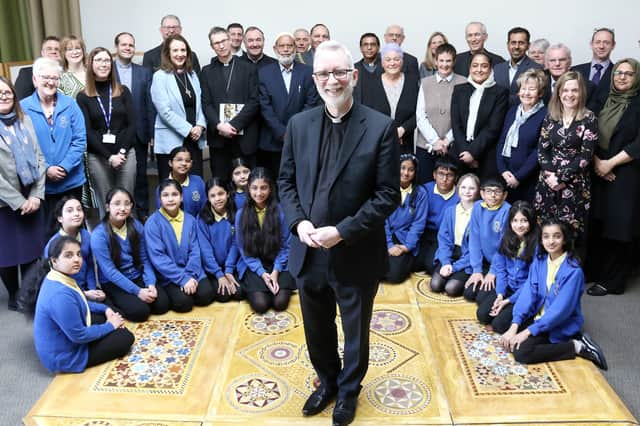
[{"x": 430, "y": 363}]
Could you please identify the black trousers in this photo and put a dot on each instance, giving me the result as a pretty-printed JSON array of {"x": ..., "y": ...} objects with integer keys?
[
  {"x": 610, "y": 262},
  {"x": 399, "y": 268},
  {"x": 141, "y": 193},
  {"x": 182, "y": 302},
  {"x": 478, "y": 295},
  {"x": 319, "y": 292},
  {"x": 427, "y": 252},
  {"x": 114, "y": 345},
  {"x": 538, "y": 349},
  {"x": 426, "y": 164},
  {"x": 132, "y": 307},
  {"x": 218, "y": 297},
  {"x": 501, "y": 322},
  {"x": 220, "y": 159},
  {"x": 270, "y": 160}
]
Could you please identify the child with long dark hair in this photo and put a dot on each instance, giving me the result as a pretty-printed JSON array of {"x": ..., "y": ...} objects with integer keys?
[
  {"x": 70, "y": 216},
  {"x": 547, "y": 317},
  {"x": 216, "y": 237},
  {"x": 404, "y": 227},
  {"x": 125, "y": 272},
  {"x": 193, "y": 191},
  {"x": 511, "y": 266},
  {"x": 172, "y": 246},
  {"x": 70, "y": 332},
  {"x": 263, "y": 241},
  {"x": 240, "y": 172}
]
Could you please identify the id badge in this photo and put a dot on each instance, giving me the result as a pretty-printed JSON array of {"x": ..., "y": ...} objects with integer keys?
[{"x": 109, "y": 138}]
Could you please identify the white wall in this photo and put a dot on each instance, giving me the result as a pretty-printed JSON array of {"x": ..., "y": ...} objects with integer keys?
[{"x": 568, "y": 21}]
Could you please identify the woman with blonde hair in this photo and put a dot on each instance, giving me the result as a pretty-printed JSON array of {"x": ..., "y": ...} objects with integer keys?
[
  {"x": 428, "y": 66},
  {"x": 74, "y": 77}
]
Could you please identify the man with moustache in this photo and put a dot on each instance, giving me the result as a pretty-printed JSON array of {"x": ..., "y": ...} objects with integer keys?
[
  {"x": 229, "y": 81},
  {"x": 338, "y": 183},
  {"x": 286, "y": 88}
]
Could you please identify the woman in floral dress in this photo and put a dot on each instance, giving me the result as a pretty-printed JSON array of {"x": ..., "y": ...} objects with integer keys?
[{"x": 567, "y": 140}]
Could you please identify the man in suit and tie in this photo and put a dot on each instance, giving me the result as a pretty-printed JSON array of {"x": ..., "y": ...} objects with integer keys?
[
  {"x": 395, "y": 34},
  {"x": 506, "y": 73},
  {"x": 558, "y": 61},
  {"x": 476, "y": 35},
  {"x": 138, "y": 79},
  {"x": 338, "y": 183},
  {"x": 286, "y": 88},
  {"x": 169, "y": 25},
  {"x": 254, "y": 45},
  {"x": 598, "y": 71},
  {"x": 230, "y": 85},
  {"x": 236, "y": 35},
  {"x": 24, "y": 83}
]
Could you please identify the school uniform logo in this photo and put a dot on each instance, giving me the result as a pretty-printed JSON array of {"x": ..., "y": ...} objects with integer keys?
[
  {"x": 497, "y": 226},
  {"x": 195, "y": 196},
  {"x": 63, "y": 121}
]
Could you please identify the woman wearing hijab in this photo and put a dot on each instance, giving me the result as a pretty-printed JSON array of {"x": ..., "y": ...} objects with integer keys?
[{"x": 616, "y": 200}]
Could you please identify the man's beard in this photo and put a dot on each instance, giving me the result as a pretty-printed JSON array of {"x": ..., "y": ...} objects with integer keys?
[{"x": 285, "y": 61}]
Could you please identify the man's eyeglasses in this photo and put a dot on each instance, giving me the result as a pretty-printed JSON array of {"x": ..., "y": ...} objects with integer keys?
[{"x": 341, "y": 74}]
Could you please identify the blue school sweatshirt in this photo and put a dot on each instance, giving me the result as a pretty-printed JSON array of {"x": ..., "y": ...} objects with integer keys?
[
  {"x": 446, "y": 243},
  {"x": 60, "y": 332},
  {"x": 217, "y": 247},
  {"x": 511, "y": 273},
  {"x": 436, "y": 205},
  {"x": 173, "y": 263},
  {"x": 486, "y": 228},
  {"x": 124, "y": 275},
  {"x": 194, "y": 196},
  {"x": 407, "y": 223},
  {"x": 254, "y": 264},
  {"x": 86, "y": 278},
  {"x": 562, "y": 317}
]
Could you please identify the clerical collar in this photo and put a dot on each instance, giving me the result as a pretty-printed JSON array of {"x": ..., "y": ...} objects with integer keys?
[{"x": 341, "y": 118}]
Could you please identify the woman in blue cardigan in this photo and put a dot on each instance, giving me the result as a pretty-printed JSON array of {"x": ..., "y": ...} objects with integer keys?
[
  {"x": 547, "y": 317},
  {"x": 70, "y": 332},
  {"x": 172, "y": 246},
  {"x": 406, "y": 224},
  {"x": 216, "y": 237},
  {"x": 517, "y": 150},
  {"x": 263, "y": 242},
  {"x": 126, "y": 274},
  {"x": 176, "y": 95}
]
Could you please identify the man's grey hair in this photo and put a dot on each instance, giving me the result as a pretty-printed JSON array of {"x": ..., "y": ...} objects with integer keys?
[
  {"x": 334, "y": 46},
  {"x": 558, "y": 46},
  {"x": 483, "y": 27},
  {"x": 165, "y": 17}
]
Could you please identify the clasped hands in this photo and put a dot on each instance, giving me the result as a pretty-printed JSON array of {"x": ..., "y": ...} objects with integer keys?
[
  {"x": 324, "y": 237},
  {"x": 603, "y": 168},
  {"x": 552, "y": 181}
]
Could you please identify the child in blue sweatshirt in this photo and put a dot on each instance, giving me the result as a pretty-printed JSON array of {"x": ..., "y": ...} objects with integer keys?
[
  {"x": 547, "y": 317},
  {"x": 511, "y": 266},
  {"x": 440, "y": 194},
  {"x": 125, "y": 272},
  {"x": 70, "y": 216},
  {"x": 240, "y": 172},
  {"x": 488, "y": 222},
  {"x": 405, "y": 225},
  {"x": 216, "y": 238},
  {"x": 172, "y": 246},
  {"x": 451, "y": 263},
  {"x": 193, "y": 191},
  {"x": 70, "y": 332},
  {"x": 263, "y": 242}
]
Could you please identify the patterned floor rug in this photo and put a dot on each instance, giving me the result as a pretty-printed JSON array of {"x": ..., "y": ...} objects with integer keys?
[{"x": 430, "y": 363}]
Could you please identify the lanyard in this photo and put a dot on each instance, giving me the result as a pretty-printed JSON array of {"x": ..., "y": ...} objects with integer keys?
[{"x": 107, "y": 118}]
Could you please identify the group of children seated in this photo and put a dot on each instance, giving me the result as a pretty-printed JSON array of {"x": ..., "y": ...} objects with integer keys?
[{"x": 219, "y": 242}]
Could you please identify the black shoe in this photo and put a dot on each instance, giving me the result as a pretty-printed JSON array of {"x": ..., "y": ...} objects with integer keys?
[
  {"x": 318, "y": 401},
  {"x": 592, "y": 351},
  {"x": 12, "y": 304},
  {"x": 597, "y": 290},
  {"x": 344, "y": 412}
]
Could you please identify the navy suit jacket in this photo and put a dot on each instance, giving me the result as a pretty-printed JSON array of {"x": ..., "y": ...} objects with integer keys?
[
  {"x": 141, "y": 78},
  {"x": 362, "y": 194},
  {"x": 501, "y": 75},
  {"x": 585, "y": 70},
  {"x": 277, "y": 106}
]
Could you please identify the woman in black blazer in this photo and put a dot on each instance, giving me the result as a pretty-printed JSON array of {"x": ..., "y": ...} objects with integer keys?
[
  {"x": 393, "y": 93},
  {"x": 482, "y": 104},
  {"x": 615, "y": 203}
]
